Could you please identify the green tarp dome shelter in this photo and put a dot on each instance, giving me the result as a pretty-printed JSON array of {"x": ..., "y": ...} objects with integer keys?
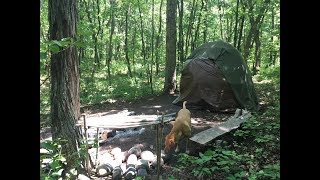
[{"x": 216, "y": 77}]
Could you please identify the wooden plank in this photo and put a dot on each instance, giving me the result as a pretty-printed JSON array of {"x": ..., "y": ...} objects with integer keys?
[{"x": 233, "y": 122}]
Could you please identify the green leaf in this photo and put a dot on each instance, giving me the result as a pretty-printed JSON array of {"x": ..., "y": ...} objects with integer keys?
[
  {"x": 54, "y": 48},
  {"x": 43, "y": 55},
  {"x": 55, "y": 42},
  {"x": 223, "y": 162},
  {"x": 55, "y": 165},
  {"x": 62, "y": 159}
]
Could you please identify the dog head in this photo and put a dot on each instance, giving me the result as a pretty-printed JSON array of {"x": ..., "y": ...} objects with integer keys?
[{"x": 169, "y": 143}]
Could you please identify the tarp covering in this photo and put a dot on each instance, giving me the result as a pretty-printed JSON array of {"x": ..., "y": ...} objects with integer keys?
[{"x": 216, "y": 77}]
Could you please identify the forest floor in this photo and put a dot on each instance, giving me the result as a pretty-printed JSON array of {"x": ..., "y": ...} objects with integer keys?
[
  {"x": 150, "y": 105},
  {"x": 200, "y": 120}
]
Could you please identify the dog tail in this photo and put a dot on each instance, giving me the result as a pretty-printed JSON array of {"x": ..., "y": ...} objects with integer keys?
[{"x": 184, "y": 104}]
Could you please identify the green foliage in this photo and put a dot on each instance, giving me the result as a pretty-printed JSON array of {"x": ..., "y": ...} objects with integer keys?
[{"x": 57, "y": 164}]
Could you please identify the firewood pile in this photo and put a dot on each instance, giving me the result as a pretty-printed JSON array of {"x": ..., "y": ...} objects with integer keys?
[{"x": 118, "y": 164}]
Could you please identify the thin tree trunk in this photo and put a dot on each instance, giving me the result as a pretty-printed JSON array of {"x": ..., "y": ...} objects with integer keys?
[
  {"x": 142, "y": 37},
  {"x": 205, "y": 22},
  {"x": 157, "y": 46},
  {"x": 65, "y": 96},
  {"x": 229, "y": 28},
  {"x": 254, "y": 23},
  {"x": 257, "y": 54},
  {"x": 180, "y": 44},
  {"x": 112, "y": 24},
  {"x": 171, "y": 39},
  {"x": 271, "y": 39},
  {"x": 191, "y": 19},
  {"x": 220, "y": 19},
  {"x": 126, "y": 49},
  {"x": 235, "y": 37},
  {"x": 240, "y": 33},
  {"x": 152, "y": 51},
  {"x": 93, "y": 35},
  {"x": 196, "y": 34},
  {"x": 133, "y": 54}
]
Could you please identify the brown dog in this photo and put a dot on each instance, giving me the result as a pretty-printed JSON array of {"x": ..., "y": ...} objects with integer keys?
[{"x": 181, "y": 129}]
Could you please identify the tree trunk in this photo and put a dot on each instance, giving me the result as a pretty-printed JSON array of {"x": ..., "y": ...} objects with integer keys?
[
  {"x": 254, "y": 23},
  {"x": 271, "y": 39},
  {"x": 257, "y": 53},
  {"x": 142, "y": 37},
  {"x": 158, "y": 40},
  {"x": 191, "y": 19},
  {"x": 133, "y": 54},
  {"x": 152, "y": 50},
  {"x": 235, "y": 37},
  {"x": 205, "y": 22},
  {"x": 240, "y": 33},
  {"x": 196, "y": 34},
  {"x": 65, "y": 97},
  {"x": 126, "y": 49},
  {"x": 220, "y": 19},
  {"x": 94, "y": 38},
  {"x": 180, "y": 44},
  {"x": 171, "y": 39},
  {"x": 112, "y": 24}
]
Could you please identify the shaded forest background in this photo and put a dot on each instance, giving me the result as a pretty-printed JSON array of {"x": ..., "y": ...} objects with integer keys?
[{"x": 122, "y": 44}]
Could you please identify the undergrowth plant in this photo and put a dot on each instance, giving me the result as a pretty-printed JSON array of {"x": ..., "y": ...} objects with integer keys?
[
  {"x": 253, "y": 150},
  {"x": 55, "y": 166}
]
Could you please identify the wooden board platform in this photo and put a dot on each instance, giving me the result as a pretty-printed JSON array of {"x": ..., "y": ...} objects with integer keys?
[
  {"x": 116, "y": 121},
  {"x": 233, "y": 122}
]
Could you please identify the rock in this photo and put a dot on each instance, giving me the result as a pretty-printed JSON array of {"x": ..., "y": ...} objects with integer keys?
[
  {"x": 154, "y": 162},
  {"x": 82, "y": 177},
  {"x": 134, "y": 150},
  {"x": 116, "y": 151},
  {"x": 105, "y": 158},
  {"x": 147, "y": 155},
  {"x": 132, "y": 159},
  {"x": 142, "y": 131},
  {"x": 117, "y": 173},
  {"x": 118, "y": 155},
  {"x": 131, "y": 172},
  {"x": 142, "y": 164},
  {"x": 104, "y": 170},
  {"x": 142, "y": 172}
]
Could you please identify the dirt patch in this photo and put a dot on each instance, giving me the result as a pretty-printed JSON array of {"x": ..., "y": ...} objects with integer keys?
[{"x": 200, "y": 120}]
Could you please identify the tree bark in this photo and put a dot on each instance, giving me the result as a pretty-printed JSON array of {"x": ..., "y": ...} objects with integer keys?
[
  {"x": 142, "y": 38},
  {"x": 112, "y": 24},
  {"x": 205, "y": 22},
  {"x": 171, "y": 39},
  {"x": 220, "y": 18},
  {"x": 157, "y": 45},
  {"x": 191, "y": 20},
  {"x": 180, "y": 44},
  {"x": 196, "y": 34},
  {"x": 254, "y": 23},
  {"x": 126, "y": 49},
  {"x": 235, "y": 37},
  {"x": 152, "y": 49},
  {"x": 65, "y": 97},
  {"x": 240, "y": 33}
]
